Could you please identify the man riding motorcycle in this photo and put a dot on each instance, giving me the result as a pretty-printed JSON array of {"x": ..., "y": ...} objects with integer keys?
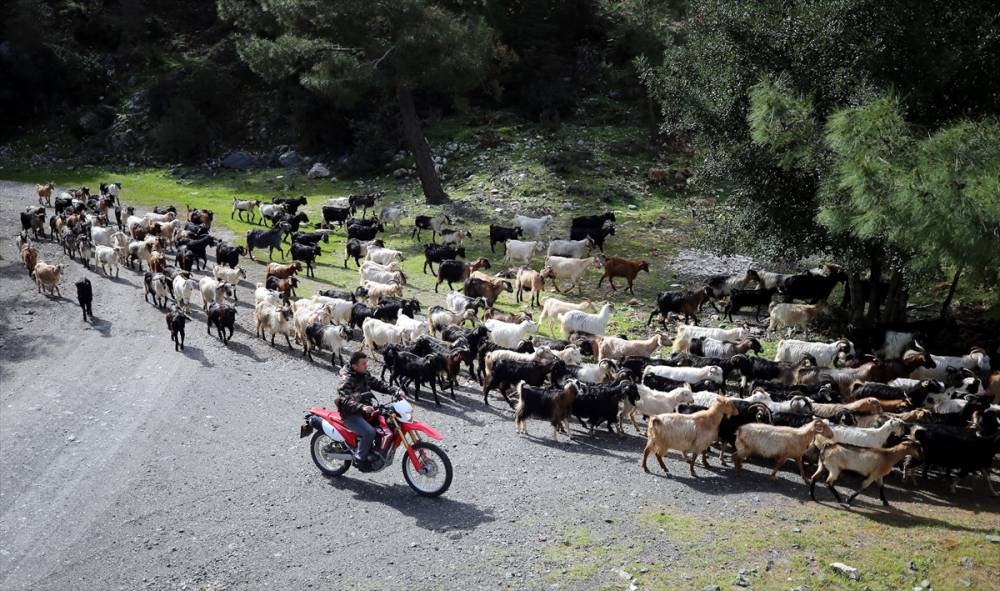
[{"x": 357, "y": 404}]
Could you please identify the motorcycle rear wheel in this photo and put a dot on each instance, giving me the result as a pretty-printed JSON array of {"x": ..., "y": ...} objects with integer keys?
[
  {"x": 318, "y": 448},
  {"x": 435, "y": 478}
]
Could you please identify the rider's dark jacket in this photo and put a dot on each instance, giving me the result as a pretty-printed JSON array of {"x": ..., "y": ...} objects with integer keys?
[{"x": 356, "y": 389}]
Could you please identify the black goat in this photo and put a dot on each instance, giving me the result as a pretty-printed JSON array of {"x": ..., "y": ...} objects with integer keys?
[
  {"x": 291, "y": 204},
  {"x": 340, "y": 294},
  {"x": 184, "y": 259},
  {"x": 312, "y": 238},
  {"x": 597, "y": 404},
  {"x": 476, "y": 339},
  {"x": 505, "y": 373},
  {"x": 85, "y": 297},
  {"x": 270, "y": 238},
  {"x": 746, "y": 298},
  {"x": 228, "y": 255},
  {"x": 551, "y": 404},
  {"x": 176, "y": 319},
  {"x": 223, "y": 317},
  {"x": 810, "y": 287},
  {"x": 364, "y": 232},
  {"x": 336, "y": 215},
  {"x": 198, "y": 248},
  {"x": 593, "y": 221},
  {"x": 597, "y": 234},
  {"x": 436, "y": 253},
  {"x": 417, "y": 370},
  {"x": 306, "y": 253},
  {"x": 357, "y": 249},
  {"x": 502, "y": 234}
]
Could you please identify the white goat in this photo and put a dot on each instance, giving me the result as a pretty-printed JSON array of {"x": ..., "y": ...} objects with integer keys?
[
  {"x": 554, "y": 308},
  {"x": 689, "y": 375},
  {"x": 532, "y": 227},
  {"x": 519, "y": 252},
  {"x": 230, "y": 276},
  {"x": 183, "y": 287},
  {"x": 654, "y": 402},
  {"x": 372, "y": 274},
  {"x": 379, "y": 334},
  {"x": 792, "y": 351},
  {"x": 571, "y": 269},
  {"x": 459, "y": 302},
  {"x": 340, "y": 309},
  {"x": 213, "y": 291},
  {"x": 977, "y": 360},
  {"x": 107, "y": 258},
  {"x": 411, "y": 328},
  {"x": 864, "y": 437},
  {"x": 576, "y": 249},
  {"x": 440, "y": 318},
  {"x": 686, "y": 332},
  {"x": 509, "y": 335},
  {"x": 580, "y": 321},
  {"x": 382, "y": 256}
]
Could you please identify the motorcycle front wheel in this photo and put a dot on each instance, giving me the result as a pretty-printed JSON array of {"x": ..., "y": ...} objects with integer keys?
[
  {"x": 322, "y": 447},
  {"x": 435, "y": 476}
]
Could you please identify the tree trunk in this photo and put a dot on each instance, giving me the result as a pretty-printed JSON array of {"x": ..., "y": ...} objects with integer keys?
[
  {"x": 895, "y": 299},
  {"x": 874, "y": 311},
  {"x": 951, "y": 292},
  {"x": 421, "y": 150},
  {"x": 857, "y": 298},
  {"x": 654, "y": 128}
]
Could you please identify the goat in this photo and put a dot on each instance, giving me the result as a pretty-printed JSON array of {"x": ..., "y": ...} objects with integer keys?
[
  {"x": 283, "y": 271},
  {"x": 570, "y": 269},
  {"x": 745, "y": 298},
  {"x": 519, "y": 252},
  {"x": 508, "y": 317},
  {"x": 688, "y": 375},
  {"x": 440, "y": 318},
  {"x": 619, "y": 267},
  {"x": 285, "y": 287},
  {"x": 436, "y": 253},
  {"x": 577, "y": 249},
  {"x": 45, "y": 193},
  {"x": 503, "y": 371},
  {"x": 792, "y": 316},
  {"x": 377, "y": 291},
  {"x": 591, "y": 373},
  {"x": 338, "y": 215},
  {"x": 176, "y": 319},
  {"x": 377, "y": 334},
  {"x": 183, "y": 287},
  {"x": 578, "y": 320},
  {"x": 692, "y": 433},
  {"x": 709, "y": 347},
  {"x": 977, "y": 360},
  {"x": 592, "y": 221},
  {"x": 213, "y": 291},
  {"x": 616, "y": 348},
  {"x": 459, "y": 302},
  {"x": 654, "y": 402},
  {"x": 595, "y": 234},
  {"x": 552, "y": 404},
  {"x": 275, "y": 320},
  {"x": 364, "y": 231},
  {"x": 432, "y": 223},
  {"x": 864, "y": 437},
  {"x": 953, "y": 448},
  {"x": 488, "y": 291},
  {"x": 223, "y": 317},
  {"x": 454, "y": 236},
  {"x": 411, "y": 328},
  {"x": 326, "y": 336},
  {"x": 554, "y": 308},
  {"x": 419, "y": 370},
  {"x": 501, "y": 234},
  {"x": 391, "y": 215},
  {"x": 272, "y": 239},
  {"x": 810, "y": 287},
  {"x": 241, "y": 207},
  {"x": 305, "y": 253},
  {"x": 532, "y": 227},
  {"x": 157, "y": 285},
  {"x": 509, "y": 335},
  {"x": 825, "y": 354},
  {"x": 598, "y": 403},
  {"x": 450, "y": 270},
  {"x": 356, "y": 249},
  {"x": 107, "y": 258},
  {"x": 678, "y": 302},
  {"x": 85, "y": 297},
  {"x": 48, "y": 276},
  {"x": 778, "y": 443},
  {"x": 871, "y": 463}
]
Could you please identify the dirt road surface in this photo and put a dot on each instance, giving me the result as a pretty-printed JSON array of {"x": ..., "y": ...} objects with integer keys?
[{"x": 125, "y": 465}]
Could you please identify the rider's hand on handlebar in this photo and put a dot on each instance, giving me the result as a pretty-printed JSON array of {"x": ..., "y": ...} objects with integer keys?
[{"x": 368, "y": 410}]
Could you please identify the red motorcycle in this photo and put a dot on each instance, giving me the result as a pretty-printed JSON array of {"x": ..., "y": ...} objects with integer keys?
[{"x": 426, "y": 467}]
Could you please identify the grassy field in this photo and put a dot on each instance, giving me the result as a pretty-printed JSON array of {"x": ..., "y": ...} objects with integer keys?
[
  {"x": 793, "y": 547},
  {"x": 529, "y": 173}
]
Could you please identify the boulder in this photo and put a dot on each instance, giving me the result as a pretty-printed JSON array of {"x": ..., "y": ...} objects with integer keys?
[
  {"x": 318, "y": 171},
  {"x": 237, "y": 161},
  {"x": 289, "y": 158}
]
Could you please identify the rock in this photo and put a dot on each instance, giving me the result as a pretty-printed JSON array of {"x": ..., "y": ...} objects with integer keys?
[
  {"x": 847, "y": 571},
  {"x": 800, "y": 588},
  {"x": 711, "y": 588},
  {"x": 965, "y": 582},
  {"x": 289, "y": 158},
  {"x": 632, "y": 206},
  {"x": 400, "y": 173},
  {"x": 993, "y": 538},
  {"x": 967, "y": 561},
  {"x": 318, "y": 171},
  {"x": 237, "y": 161},
  {"x": 91, "y": 123}
]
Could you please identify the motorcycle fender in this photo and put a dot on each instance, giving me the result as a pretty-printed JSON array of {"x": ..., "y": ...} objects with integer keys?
[{"x": 417, "y": 426}]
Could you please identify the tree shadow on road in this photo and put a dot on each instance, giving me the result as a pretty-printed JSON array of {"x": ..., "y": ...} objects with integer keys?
[{"x": 430, "y": 514}]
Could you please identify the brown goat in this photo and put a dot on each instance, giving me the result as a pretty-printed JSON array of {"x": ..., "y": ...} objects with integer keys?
[
  {"x": 29, "y": 256},
  {"x": 478, "y": 288},
  {"x": 283, "y": 271},
  {"x": 534, "y": 282},
  {"x": 692, "y": 433},
  {"x": 494, "y": 314},
  {"x": 619, "y": 267},
  {"x": 45, "y": 193}
]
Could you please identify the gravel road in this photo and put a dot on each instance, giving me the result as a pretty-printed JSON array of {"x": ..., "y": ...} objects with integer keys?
[{"x": 126, "y": 465}]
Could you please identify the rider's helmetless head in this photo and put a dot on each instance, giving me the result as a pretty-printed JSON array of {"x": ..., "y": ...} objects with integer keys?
[{"x": 359, "y": 362}]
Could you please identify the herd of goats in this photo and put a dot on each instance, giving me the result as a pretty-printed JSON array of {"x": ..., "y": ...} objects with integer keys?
[{"x": 863, "y": 404}]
